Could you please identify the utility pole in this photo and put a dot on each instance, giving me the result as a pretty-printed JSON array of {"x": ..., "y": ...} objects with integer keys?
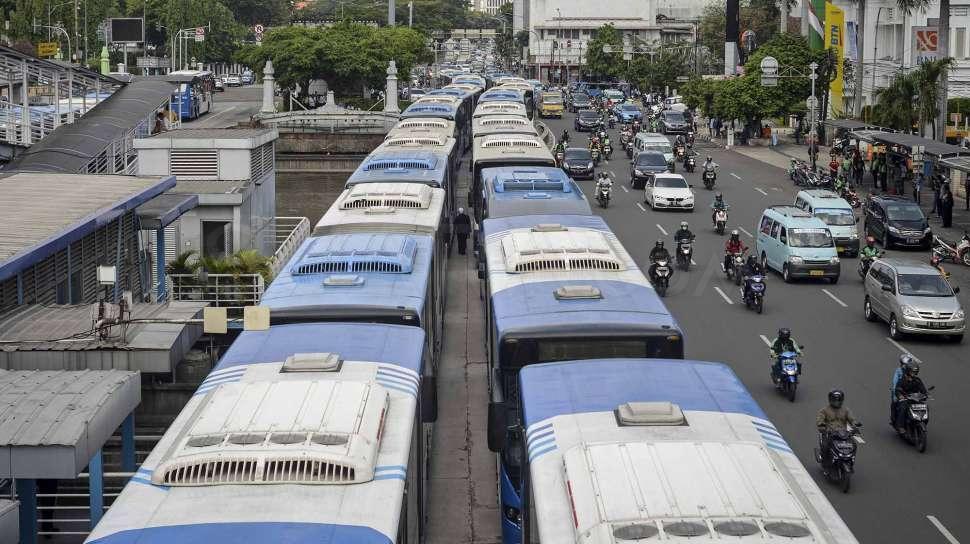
[
  {"x": 410, "y": 14},
  {"x": 390, "y": 13}
]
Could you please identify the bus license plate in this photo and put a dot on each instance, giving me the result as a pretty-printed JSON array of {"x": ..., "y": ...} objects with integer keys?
[{"x": 816, "y": 273}]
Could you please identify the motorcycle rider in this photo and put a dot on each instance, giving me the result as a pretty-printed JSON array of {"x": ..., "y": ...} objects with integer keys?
[
  {"x": 604, "y": 181},
  {"x": 683, "y": 234},
  {"x": 658, "y": 253},
  {"x": 718, "y": 205},
  {"x": 565, "y": 137},
  {"x": 734, "y": 246},
  {"x": 710, "y": 166},
  {"x": 908, "y": 384},
  {"x": 870, "y": 251},
  {"x": 831, "y": 418},
  {"x": 782, "y": 343}
]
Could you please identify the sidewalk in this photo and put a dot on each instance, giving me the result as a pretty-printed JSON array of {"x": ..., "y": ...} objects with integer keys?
[{"x": 780, "y": 156}]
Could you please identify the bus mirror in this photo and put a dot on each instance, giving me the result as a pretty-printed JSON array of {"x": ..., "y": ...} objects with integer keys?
[
  {"x": 429, "y": 399},
  {"x": 497, "y": 426}
]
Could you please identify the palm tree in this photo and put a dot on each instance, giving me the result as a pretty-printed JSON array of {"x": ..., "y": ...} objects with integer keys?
[
  {"x": 250, "y": 261},
  {"x": 942, "y": 52},
  {"x": 895, "y": 108},
  {"x": 186, "y": 263},
  {"x": 930, "y": 74}
]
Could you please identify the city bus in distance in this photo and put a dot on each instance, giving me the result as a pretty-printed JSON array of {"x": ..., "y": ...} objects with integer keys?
[
  {"x": 645, "y": 450},
  {"x": 486, "y": 125},
  {"x": 504, "y": 150},
  {"x": 194, "y": 94},
  {"x": 305, "y": 434}
]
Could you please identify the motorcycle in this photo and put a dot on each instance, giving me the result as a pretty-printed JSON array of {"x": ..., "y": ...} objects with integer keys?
[
  {"x": 679, "y": 150},
  {"x": 720, "y": 220},
  {"x": 734, "y": 267},
  {"x": 838, "y": 463},
  {"x": 754, "y": 296},
  {"x": 849, "y": 195},
  {"x": 608, "y": 150},
  {"x": 689, "y": 164},
  {"x": 560, "y": 159},
  {"x": 709, "y": 177},
  {"x": 661, "y": 277},
  {"x": 690, "y": 136},
  {"x": 947, "y": 250},
  {"x": 685, "y": 250},
  {"x": 603, "y": 194},
  {"x": 786, "y": 378},
  {"x": 611, "y": 122},
  {"x": 866, "y": 262},
  {"x": 595, "y": 152},
  {"x": 917, "y": 418}
]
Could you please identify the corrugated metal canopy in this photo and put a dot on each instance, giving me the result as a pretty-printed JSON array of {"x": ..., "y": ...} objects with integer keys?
[
  {"x": 854, "y": 124},
  {"x": 36, "y": 337},
  {"x": 41, "y": 214},
  {"x": 958, "y": 163},
  {"x": 932, "y": 147},
  {"x": 162, "y": 210},
  {"x": 52, "y": 423}
]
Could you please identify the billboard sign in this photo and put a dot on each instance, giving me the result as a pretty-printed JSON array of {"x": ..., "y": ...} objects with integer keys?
[
  {"x": 127, "y": 30},
  {"x": 925, "y": 43},
  {"x": 47, "y": 49}
]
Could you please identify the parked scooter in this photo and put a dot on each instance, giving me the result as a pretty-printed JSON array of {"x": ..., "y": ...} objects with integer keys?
[{"x": 953, "y": 251}]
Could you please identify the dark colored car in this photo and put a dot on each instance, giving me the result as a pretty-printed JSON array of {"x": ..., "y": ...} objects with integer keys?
[
  {"x": 588, "y": 121},
  {"x": 579, "y": 101},
  {"x": 673, "y": 122},
  {"x": 578, "y": 163},
  {"x": 895, "y": 220},
  {"x": 644, "y": 165}
]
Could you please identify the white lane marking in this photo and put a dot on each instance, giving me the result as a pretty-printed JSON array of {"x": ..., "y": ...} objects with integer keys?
[
  {"x": 939, "y": 527},
  {"x": 612, "y": 174},
  {"x": 835, "y": 298},
  {"x": 725, "y": 297},
  {"x": 625, "y": 190},
  {"x": 776, "y": 189},
  {"x": 746, "y": 232},
  {"x": 899, "y": 347},
  {"x": 642, "y": 209},
  {"x": 765, "y": 340},
  {"x": 735, "y": 175},
  {"x": 658, "y": 224},
  {"x": 760, "y": 190},
  {"x": 692, "y": 261}
]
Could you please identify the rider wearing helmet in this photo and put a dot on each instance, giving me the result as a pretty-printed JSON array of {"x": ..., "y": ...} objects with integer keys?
[
  {"x": 565, "y": 137},
  {"x": 683, "y": 234},
  {"x": 658, "y": 253},
  {"x": 908, "y": 384},
  {"x": 782, "y": 343},
  {"x": 718, "y": 204},
  {"x": 834, "y": 417},
  {"x": 709, "y": 164},
  {"x": 751, "y": 268},
  {"x": 870, "y": 250},
  {"x": 733, "y": 246}
]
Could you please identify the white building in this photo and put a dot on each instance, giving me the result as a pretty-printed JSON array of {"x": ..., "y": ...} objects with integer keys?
[
  {"x": 559, "y": 30},
  {"x": 890, "y": 44},
  {"x": 488, "y": 7}
]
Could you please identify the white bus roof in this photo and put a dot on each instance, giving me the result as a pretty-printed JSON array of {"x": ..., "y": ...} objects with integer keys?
[
  {"x": 500, "y": 108},
  {"x": 402, "y": 208}
]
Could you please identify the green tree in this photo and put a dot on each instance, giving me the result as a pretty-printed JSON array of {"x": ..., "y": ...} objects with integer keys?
[
  {"x": 600, "y": 65},
  {"x": 759, "y": 16},
  {"x": 504, "y": 43},
  {"x": 297, "y": 53},
  {"x": 658, "y": 72}
]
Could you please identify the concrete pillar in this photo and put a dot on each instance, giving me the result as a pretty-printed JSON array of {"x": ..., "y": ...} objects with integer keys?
[
  {"x": 96, "y": 488},
  {"x": 27, "y": 495},
  {"x": 269, "y": 89},
  {"x": 390, "y": 93},
  {"x": 160, "y": 294},
  {"x": 128, "y": 461},
  {"x": 105, "y": 61}
]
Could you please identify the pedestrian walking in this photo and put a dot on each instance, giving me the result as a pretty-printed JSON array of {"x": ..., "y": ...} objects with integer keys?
[
  {"x": 946, "y": 206},
  {"x": 917, "y": 185},
  {"x": 858, "y": 167},
  {"x": 711, "y": 125},
  {"x": 463, "y": 227},
  {"x": 936, "y": 195}
]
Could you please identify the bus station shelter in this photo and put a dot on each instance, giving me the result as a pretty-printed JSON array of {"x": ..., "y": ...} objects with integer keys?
[{"x": 53, "y": 425}]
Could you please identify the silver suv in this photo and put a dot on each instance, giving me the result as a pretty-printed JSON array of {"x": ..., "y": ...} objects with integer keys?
[{"x": 913, "y": 297}]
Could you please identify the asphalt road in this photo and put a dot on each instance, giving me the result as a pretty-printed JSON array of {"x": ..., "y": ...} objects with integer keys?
[
  {"x": 231, "y": 107},
  {"x": 898, "y": 494}
]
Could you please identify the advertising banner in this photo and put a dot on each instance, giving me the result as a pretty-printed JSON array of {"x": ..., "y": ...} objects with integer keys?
[
  {"x": 925, "y": 43},
  {"x": 835, "y": 40}
]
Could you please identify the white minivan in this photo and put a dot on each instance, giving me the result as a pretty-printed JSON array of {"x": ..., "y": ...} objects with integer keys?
[{"x": 837, "y": 215}]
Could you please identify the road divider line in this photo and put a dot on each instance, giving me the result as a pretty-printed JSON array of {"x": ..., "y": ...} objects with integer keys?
[
  {"x": 765, "y": 340},
  {"x": 946, "y": 533},
  {"x": 724, "y": 296},
  {"x": 899, "y": 347},
  {"x": 642, "y": 209},
  {"x": 760, "y": 190},
  {"x": 612, "y": 174},
  {"x": 658, "y": 224},
  {"x": 736, "y": 176},
  {"x": 746, "y": 232},
  {"x": 835, "y": 298},
  {"x": 625, "y": 190}
]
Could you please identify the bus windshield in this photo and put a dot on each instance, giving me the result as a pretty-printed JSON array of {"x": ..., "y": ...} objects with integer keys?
[{"x": 516, "y": 353}]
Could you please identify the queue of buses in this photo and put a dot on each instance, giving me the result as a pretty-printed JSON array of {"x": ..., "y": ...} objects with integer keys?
[{"x": 319, "y": 430}]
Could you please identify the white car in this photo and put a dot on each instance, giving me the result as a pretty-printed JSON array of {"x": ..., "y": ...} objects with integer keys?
[{"x": 669, "y": 191}]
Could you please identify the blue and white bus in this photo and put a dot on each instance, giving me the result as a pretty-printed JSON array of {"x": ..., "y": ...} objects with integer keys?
[
  {"x": 646, "y": 450},
  {"x": 367, "y": 277},
  {"x": 194, "y": 94},
  {"x": 450, "y": 109},
  {"x": 522, "y": 190},
  {"x": 313, "y": 433},
  {"x": 405, "y": 166}
]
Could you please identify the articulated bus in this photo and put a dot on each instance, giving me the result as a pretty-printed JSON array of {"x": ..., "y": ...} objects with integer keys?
[
  {"x": 463, "y": 111},
  {"x": 475, "y": 90},
  {"x": 514, "y": 191},
  {"x": 502, "y": 95},
  {"x": 417, "y": 141},
  {"x": 442, "y": 107},
  {"x": 504, "y": 109},
  {"x": 527, "y": 90},
  {"x": 304, "y": 433},
  {"x": 498, "y": 150},
  {"x": 645, "y": 450},
  {"x": 402, "y": 208},
  {"x": 486, "y": 125},
  {"x": 404, "y": 166},
  {"x": 405, "y": 126}
]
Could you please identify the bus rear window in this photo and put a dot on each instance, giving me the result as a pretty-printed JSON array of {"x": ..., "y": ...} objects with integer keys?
[{"x": 518, "y": 353}]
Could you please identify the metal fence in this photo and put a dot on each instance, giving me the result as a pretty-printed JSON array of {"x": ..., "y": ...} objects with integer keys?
[
  {"x": 290, "y": 233},
  {"x": 233, "y": 291}
]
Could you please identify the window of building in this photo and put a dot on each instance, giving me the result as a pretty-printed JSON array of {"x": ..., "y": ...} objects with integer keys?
[
  {"x": 960, "y": 43},
  {"x": 216, "y": 239}
]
